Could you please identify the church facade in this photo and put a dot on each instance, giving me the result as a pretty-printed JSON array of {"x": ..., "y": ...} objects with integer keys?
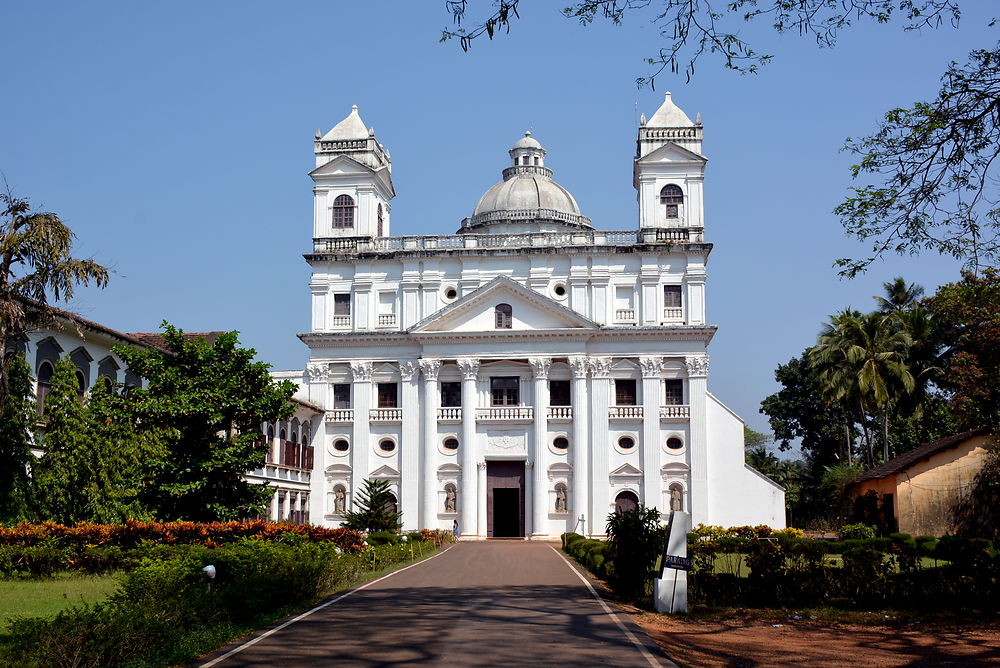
[{"x": 529, "y": 374}]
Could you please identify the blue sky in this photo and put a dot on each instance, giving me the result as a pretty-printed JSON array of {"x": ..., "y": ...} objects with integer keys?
[{"x": 175, "y": 139}]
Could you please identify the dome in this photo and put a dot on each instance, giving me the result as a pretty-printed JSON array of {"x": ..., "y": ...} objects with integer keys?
[{"x": 527, "y": 199}]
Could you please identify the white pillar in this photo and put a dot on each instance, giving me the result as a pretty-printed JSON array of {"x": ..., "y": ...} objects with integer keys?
[
  {"x": 600, "y": 387},
  {"x": 409, "y": 473},
  {"x": 273, "y": 514},
  {"x": 481, "y": 499},
  {"x": 580, "y": 446},
  {"x": 697, "y": 368},
  {"x": 361, "y": 400},
  {"x": 469, "y": 499},
  {"x": 529, "y": 498},
  {"x": 428, "y": 495},
  {"x": 540, "y": 488},
  {"x": 652, "y": 368}
]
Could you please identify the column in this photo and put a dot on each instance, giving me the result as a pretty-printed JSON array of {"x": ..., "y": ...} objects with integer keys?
[
  {"x": 481, "y": 499},
  {"x": 529, "y": 497},
  {"x": 540, "y": 488},
  {"x": 469, "y": 500},
  {"x": 652, "y": 485},
  {"x": 697, "y": 368},
  {"x": 361, "y": 400},
  {"x": 409, "y": 472},
  {"x": 600, "y": 384},
  {"x": 319, "y": 390},
  {"x": 273, "y": 514},
  {"x": 580, "y": 446},
  {"x": 428, "y": 495}
]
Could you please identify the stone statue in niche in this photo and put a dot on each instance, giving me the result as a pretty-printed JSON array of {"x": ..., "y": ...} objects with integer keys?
[
  {"x": 561, "y": 499},
  {"x": 339, "y": 501},
  {"x": 450, "y": 499},
  {"x": 676, "y": 498}
]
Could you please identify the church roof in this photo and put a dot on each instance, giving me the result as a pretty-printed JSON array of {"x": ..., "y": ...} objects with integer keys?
[
  {"x": 351, "y": 127},
  {"x": 527, "y": 141},
  {"x": 669, "y": 115}
]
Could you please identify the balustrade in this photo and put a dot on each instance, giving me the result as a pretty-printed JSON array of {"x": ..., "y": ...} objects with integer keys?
[
  {"x": 625, "y": 315},
  {"x": 449, "y": 414},
  {"x": 625, "y": 412},
  {"x": 385, "y": 414},
  {"x": 340, "y": 415},
  {"x": 341, "y": 322},
  {"x": 560, "y": 413},
  {"x": 386, "y": 319},
  {"x": 673, "y": 314},
  {"x": 675, "y": 412},
  {"x": 504, "y": 413}
]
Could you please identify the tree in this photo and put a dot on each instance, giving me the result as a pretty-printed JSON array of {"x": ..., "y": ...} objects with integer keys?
[
  {"x": 17, "y": 421},
  {"x": 936, "y": 163},
  {"x": 977, "y": 515},
  {"x": 635, "y": 538},
  {"x": 376, "y": 509},
  {"x": 204, "y": 403},
  {"x": 968, "y": 319},
  {"x": 35, "y": 263},
  {"x": 836, "y": 484},
  {"x": 693, "y": 28}
]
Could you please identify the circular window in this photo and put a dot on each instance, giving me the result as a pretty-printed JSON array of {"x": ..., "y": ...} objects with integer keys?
[
  {"x": 341, "y": 445},
  {"x": 451, "y": 293},
  {"x": 451, "y": 444},
  {"x": 674, "y": 443},
  {"x": 626, "y": 443},
  {"x": 560, "y": 443},
  {"x": 559, "y": 290},
  {"x": 387, "y": 445}
]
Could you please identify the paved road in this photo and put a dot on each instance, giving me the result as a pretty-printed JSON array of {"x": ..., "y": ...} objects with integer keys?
[{"x": 475, "y": 604}]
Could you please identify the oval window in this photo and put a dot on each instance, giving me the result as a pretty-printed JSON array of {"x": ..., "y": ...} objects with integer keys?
[
  {"x": 674, "y": 443},
  {"x": 560, "y": 443},
  {"x": 341, "y": 445},
  {"x": 451, "y": 444},
  {"x": 387, "y": 445},
  {"x": 626, "y": 442}
]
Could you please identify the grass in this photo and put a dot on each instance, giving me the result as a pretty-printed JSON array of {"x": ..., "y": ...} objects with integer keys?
[{"x": 45, "y": 597}]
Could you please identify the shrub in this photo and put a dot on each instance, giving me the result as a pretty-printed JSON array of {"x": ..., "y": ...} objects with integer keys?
[
  {"x": 857, "y": 531},
  {"x": 635, "y": 539}
]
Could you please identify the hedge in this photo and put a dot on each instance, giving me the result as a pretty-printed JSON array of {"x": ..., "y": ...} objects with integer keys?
[{"x": 167, "y": 612}]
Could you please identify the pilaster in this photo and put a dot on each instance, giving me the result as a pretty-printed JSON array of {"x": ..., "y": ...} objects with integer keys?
[
  {"x": 361, "y": 400},
  {"x": 600, "y": 388},
  {"x": 468, "y": 501},
  {"x": 481, "y": 498},
  {"x": 428, "y": 514},
  {"x": 697, "y": 369},
  {"x": 409, "y": 473},
  {"x": 652, "y": 368},
  {"x": 580, "y": 446},
  {"x": 540, "y": 396}
]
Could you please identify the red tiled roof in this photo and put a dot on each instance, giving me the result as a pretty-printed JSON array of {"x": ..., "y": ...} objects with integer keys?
[
  {"x": 155, "y": 339},
  {"x": 918, "y": 454}
]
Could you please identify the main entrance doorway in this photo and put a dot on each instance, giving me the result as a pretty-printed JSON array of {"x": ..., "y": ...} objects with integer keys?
[{"x": 505, "y": 499}]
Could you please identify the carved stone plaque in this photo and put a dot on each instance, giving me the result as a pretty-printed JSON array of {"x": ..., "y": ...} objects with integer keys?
[{"x": 507, "y": 441}]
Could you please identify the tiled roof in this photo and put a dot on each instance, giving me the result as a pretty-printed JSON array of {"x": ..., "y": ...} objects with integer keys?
[
  {"x": 155, "y": 339},
  {"x": 308, "y": 404},
  {"x": 918, "y": 454},
  {"x": 89, "y": 324}
]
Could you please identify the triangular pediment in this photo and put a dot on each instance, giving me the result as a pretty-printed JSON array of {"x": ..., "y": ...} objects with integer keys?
[
  {"x": 531, "y": 311},
  {"x": 384, "y": 473},
  {"x": 626, "y": 471},
  {"x": 671, "y": 153},
  {"x": 341, "y": 166}
]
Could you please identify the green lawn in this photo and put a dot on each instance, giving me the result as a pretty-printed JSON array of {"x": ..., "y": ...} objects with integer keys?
[{"x": 41, "y": 598}]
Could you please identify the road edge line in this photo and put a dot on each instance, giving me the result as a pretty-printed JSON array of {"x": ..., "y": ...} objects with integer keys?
[
  {"x": 652, "y": 660},
  {"x": 301, "y": 616}
]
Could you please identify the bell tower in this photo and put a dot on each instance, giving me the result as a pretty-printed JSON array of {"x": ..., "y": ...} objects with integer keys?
[
  {"x": 669, "y": 170},
  {"x": 353, "y": 182}
]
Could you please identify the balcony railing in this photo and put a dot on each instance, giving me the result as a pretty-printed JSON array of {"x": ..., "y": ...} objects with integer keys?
[
  {"x": 504, "y": 413},
  {"x": 625, "y": 315},
  {"x": 449, "y": 414},
  {"x": 676, "y": 412},
  {"x": 560, "y": 412},
  {"x": 625, "y": 412},
  {"x": 341, "y": 322},
  {"x": 386, "y": 319},
  {"x": 340, "y": 415},
  {"x": 673, "y": 314},
  {"x": 385, "y": 414}
]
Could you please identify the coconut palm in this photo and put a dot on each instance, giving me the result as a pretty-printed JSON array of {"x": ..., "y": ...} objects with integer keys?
[{"x": 899, "y": 296}]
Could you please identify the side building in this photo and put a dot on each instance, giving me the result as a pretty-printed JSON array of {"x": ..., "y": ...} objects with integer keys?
[{"x": 529, "y": 374}]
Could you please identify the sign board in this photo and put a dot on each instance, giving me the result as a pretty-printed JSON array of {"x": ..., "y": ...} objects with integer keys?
[{"x": 677, "y": 563}]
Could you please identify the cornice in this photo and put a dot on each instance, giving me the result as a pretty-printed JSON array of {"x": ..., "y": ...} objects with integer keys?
[{"x": 662, "y": 247}]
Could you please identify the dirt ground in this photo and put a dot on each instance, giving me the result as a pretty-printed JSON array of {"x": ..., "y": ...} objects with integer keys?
[{"x": 742, "y": 642}]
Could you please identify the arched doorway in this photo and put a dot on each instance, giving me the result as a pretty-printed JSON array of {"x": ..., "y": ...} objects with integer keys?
[{"x": 626, "y": 501}]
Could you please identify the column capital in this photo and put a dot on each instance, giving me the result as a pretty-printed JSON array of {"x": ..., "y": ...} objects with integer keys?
[
  {"x": 362, "y": 371},
  {"x": 408, "y": 369},
  {"x": 529, "y": 464},
  {"x": 580, "y": 365},
  {"x": 600, "y": 367},
  {"x": 481, "y": 466},
  {"x": 697, "y": 366},
  {"x": 540, "y": 366},
  {"x": 469, "y": 367},
  {"x": 318, "y": 372},
  {"x": 651, "y": 366},
  {"x": 430, "y": 368}
]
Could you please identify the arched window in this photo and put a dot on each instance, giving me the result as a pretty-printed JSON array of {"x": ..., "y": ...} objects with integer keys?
[
  {"x": 504, "y": 316},
  {"x": 391, "y": 503},
  {"x": 343, "y": 212},
  {"x": 270, "y": 433},
  {"x": 44, "y": 383},
  {"x": 81, "y": 385},
  {"x": 626, "y": 501},
  {"x": 671, "y": 196},
  {"x": 378, "y": 213}
]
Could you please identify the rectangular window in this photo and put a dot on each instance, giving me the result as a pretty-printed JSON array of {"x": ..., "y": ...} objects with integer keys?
[
  {"x": 386, "y": 303},
  {"x": 625, "y": 392},
  {"x": 674, "y": 392},
  {"x": 504, "y": 391},
  {"x": 672, "y": 296},
  {"x": 623, "y": 297},
  {"x": 342, "y": 304},
  {"x": 559, "y": 394},
  {"x": 342, "y": 395},
  {"x": 672, "y": 211},
  {"x": 388, "y": 395},
  {"x": 451, "y": 395}
]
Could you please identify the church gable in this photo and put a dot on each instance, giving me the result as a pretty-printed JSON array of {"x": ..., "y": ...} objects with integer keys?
[
  {"x": 341, "y": 166},
  {"x": 671, "y": 153},
  {"x": 529, "y": 310}
]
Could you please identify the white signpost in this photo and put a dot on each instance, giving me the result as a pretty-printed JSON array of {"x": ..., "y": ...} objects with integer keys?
[{"x": 670, "y": 592}]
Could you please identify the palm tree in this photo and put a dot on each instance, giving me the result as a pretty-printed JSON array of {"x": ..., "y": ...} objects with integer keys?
[
  {"x": 861, "y": 362},
  {"x": 899, "y": 296}
]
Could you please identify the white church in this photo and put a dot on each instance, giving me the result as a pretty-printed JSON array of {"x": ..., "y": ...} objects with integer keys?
[{"x": 529, "y": 374}]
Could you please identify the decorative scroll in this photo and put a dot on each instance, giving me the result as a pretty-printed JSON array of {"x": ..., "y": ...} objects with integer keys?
[
  {"x": 600, "y": 367},
  {"x": 408, "y": 369},
  {"x": 469, "y": 367},
  {"x": 651, "y": 366},
  {"x": 430, "y": 368},
  {"x": 362, "y": 371},
  {"x": 697, "y": 366},
  {"x": 580, "y": 366},
  {"x": 318, "y": 372},
  {"x": 540, "y": 366}
]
